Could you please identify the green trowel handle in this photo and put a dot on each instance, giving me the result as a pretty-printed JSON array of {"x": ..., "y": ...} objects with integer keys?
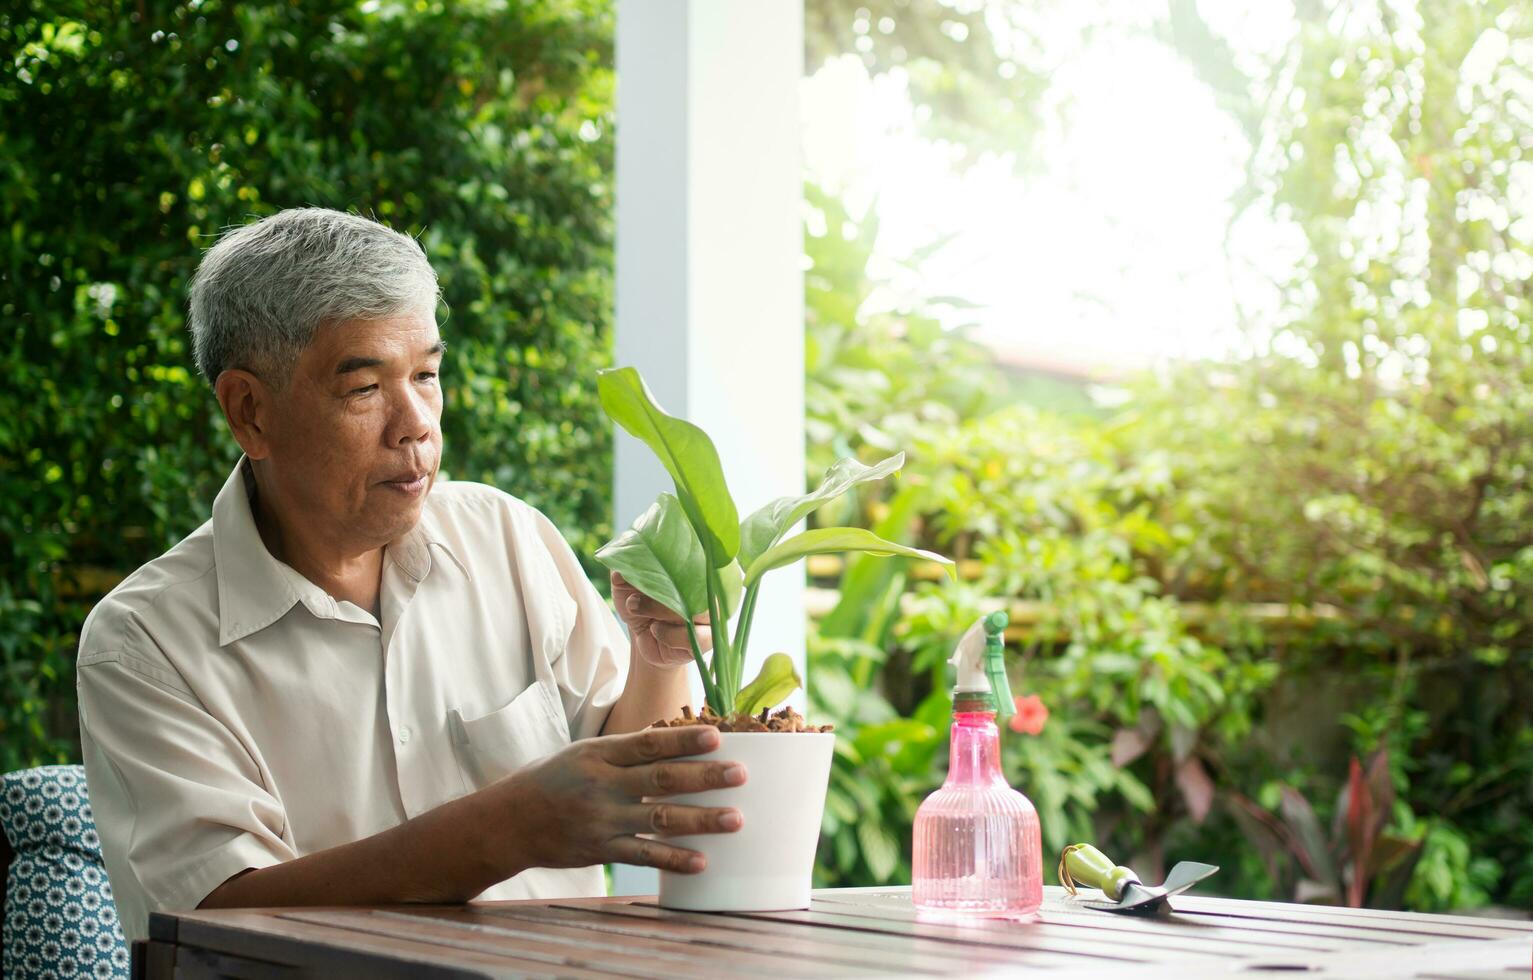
[{"x": 1094, "y": 869}]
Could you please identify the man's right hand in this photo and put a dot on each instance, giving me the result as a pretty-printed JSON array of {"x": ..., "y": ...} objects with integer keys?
[{"x": 587, "y": 803}]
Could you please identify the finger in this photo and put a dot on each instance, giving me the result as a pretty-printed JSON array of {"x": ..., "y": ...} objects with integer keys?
[
  {"x": 671, "y": 632},
  {"x": 672, "y": 637},
  {"x": 620, "y": 592},
  {"x": 644, "y": 606},
  {"x": 621, "y": 589},
  {"x": 655, "y": 854},
  {"x": 653, "y": 653},
  {"x": 676, "y": 820},
  {"x": 655, "y": 744},
  {"x": 639, "y": 605},
  {"x": 666, "y": 658},
  {"x": 671, "y": 778}
]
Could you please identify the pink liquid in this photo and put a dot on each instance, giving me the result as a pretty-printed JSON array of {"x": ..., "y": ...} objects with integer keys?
[{"x": 977, "y": 846}]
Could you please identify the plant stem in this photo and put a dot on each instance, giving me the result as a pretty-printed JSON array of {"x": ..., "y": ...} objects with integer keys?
[
  {"x": 723, "y": 650},
  {"x": 710, "y": 690},
  {"x": 747, "y": 613},
  {"x": 731, "y": 686}
]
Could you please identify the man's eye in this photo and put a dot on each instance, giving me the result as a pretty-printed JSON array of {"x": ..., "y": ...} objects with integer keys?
[
  {"x": 427, "y": 375},
  {"x": 363, "y": 390}
]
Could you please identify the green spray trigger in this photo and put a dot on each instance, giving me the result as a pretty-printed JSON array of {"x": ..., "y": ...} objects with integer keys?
[
  {"x": 981, "y": 662},
  {"x": 995, "y": 666}
]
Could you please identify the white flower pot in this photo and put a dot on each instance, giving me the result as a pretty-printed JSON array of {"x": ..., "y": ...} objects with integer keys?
[{"x": 766, "y": 865}]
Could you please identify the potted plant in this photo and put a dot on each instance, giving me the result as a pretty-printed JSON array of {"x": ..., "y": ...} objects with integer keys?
[{"x": 691, "y": 552}]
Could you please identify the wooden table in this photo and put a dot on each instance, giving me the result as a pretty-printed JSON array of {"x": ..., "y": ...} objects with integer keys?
[{"x": 848, "y": 932}]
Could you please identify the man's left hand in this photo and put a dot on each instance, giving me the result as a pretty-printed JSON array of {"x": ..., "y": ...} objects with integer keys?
[{"x": 659, "y": 635}]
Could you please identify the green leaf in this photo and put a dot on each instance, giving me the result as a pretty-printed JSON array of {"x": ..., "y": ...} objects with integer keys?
[
  {"x": 662, "y": 558},
  {"x": 876, "y": 739},
  {"x": 834, "y": 693},
  {"x": 865, "y": 579},
  {"x": 830, "y": 540},
  {"x": 878, "y": 847},
  {"x": 863, "y": 793},
  {"x": 687, "y": 454},
  {"x": 846, "y": 851},
  {"x": 777, "y": 680},
  {"x": 762, "y": 529},
  {"x": 837, "y": 803}
]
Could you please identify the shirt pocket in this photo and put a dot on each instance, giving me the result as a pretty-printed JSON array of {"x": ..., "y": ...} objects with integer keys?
[{"x": 495, "y": 745}]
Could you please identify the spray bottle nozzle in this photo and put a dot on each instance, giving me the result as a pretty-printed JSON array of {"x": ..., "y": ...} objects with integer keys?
[{"x": 980, "y": 659}]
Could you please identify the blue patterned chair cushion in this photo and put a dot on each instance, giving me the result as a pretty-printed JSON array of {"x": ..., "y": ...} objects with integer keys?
[{"x": 59, "y": 916}]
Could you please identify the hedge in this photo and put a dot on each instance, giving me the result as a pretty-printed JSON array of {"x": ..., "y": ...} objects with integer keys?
[{"x": 131, "y": 133}]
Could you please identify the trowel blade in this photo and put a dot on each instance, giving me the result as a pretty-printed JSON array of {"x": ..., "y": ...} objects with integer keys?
[
  {"x": 1137, "y": 899},
  {"x": 1186, "y": 874}
]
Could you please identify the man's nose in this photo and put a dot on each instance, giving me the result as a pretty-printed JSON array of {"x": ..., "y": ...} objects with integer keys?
[{"x": 414, "y": 420}]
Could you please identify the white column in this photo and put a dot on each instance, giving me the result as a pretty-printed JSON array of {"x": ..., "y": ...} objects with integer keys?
[{"x": 709, "y": 282}]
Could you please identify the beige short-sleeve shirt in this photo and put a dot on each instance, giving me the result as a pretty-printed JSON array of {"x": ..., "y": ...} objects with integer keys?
[{"x": 233, "y": 715}]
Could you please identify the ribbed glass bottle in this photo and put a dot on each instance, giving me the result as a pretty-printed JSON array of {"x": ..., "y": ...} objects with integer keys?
[{"x": 977, "y": 846}]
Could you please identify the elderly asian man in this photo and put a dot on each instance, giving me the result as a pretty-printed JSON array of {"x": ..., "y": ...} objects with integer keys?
[{"x": 356, "y": 684}]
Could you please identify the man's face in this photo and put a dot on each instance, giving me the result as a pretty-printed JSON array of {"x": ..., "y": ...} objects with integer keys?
[{"x": 356, "y": 437}]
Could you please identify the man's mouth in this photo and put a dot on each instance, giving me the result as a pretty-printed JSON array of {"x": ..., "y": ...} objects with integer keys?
[{"x": 412, "y": 484}]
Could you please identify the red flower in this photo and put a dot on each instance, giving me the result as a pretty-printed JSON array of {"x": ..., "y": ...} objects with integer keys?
[{"x": 1031, "y": 715}]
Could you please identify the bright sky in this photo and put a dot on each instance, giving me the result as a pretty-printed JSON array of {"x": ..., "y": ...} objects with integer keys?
[{"x": 1114, "y": 253}]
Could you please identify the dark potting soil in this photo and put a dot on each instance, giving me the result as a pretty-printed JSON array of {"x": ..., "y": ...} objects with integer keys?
[{"x": 782, "y": 720}]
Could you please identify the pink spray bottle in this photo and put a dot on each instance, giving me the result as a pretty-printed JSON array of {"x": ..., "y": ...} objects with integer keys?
[{"x": 977, "y": 845}]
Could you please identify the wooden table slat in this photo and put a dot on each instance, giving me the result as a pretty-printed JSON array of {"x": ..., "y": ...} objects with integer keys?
[
  {"x": 885, "y": 950},
  {"x": 666, "y": 956},
  {"x": 332, "y": 952},
  {"x": 1465, "y": 929},
  {"x": 1422, "y": 922},
  {"x": 1280, "y": 935},
  {"x": 1451, "y": 960},
  {"x": 552, "y": 946},
  {"x": 817, "y": 956},
  {"x": 1131, "y": 935},
  {"x": 151, "y": 958},
  {"x": 1021, "y": 936},
  {"x": 1210, "y": 935},
  {"x": 1378, "y": 926},
  {"x": 796, "y": 936}
]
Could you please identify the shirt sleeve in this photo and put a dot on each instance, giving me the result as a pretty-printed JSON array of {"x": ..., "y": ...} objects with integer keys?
[
  {"x": 586, "y": 644},
  {"x": 177, "y": 798}
]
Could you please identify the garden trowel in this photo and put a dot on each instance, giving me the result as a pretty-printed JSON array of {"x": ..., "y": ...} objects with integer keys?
[{"x": 1085, "y": 865}]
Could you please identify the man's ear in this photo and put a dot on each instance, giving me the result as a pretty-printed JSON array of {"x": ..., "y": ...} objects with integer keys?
[{"x": 248, "y": 407}]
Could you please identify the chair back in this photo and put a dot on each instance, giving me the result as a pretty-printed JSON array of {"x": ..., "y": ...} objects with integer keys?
[{"x": 59, "y": 916}]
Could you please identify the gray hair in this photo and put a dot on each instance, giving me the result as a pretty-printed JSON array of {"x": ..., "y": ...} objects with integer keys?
[{"x": 265, "y": 288}]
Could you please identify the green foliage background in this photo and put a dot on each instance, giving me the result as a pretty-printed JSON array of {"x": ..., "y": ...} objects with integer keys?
[
  {"x": 1259, "y": 568},
  {"x": 131, "y": 133}
]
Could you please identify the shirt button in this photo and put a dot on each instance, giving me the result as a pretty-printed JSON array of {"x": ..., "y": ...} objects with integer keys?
[{"x": 404, "y": 734}]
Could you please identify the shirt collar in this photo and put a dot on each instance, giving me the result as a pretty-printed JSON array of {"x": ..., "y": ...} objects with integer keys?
[
  {"x": 412, "y": 551},
  {"x": 255, "y": 589}
]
